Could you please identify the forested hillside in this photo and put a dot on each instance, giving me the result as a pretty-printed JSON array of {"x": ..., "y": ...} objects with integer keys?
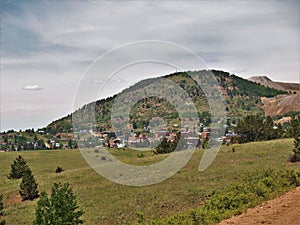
[{"x": 242, "y": 97}]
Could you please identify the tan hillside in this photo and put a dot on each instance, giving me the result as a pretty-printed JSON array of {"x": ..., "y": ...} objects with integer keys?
[
  {"x": 291, "y": 88},
  {"x": 281, "y": 104}
]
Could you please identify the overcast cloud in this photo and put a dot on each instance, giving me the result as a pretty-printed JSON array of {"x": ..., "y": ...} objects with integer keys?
[{"x": 47, "y": 45}]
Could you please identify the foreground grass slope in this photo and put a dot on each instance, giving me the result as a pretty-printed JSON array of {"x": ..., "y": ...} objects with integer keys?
[{"x": 105, "y": 202}]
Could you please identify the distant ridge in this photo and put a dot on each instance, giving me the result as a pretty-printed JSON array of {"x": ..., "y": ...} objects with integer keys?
[
  {"x": 291, "y": 88},
  {"x": 280, "y": 104}
]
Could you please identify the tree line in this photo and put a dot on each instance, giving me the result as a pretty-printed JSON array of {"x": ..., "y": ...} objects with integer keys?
[{"x": 259, "y": 128}]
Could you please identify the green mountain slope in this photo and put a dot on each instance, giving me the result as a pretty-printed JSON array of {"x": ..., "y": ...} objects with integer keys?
[{"x": 242, "y": 97}]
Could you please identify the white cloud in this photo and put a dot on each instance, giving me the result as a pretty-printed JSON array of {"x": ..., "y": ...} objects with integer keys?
[{"x": 32, "y": 87}]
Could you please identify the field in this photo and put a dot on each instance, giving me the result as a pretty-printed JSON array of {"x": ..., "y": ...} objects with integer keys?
[{"x": 105, "y": 202}]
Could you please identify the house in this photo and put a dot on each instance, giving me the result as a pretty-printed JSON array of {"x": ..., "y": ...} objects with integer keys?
[
  {"x": 159, "y": 134},
  {"x": 132, "y": 141},
  {"x": 205, "y": 134},
  {"x": 171, "y": 137},
  {"x": 186, "y": 134},
  {"x": 113, "y": 143},
  {"x": 64, "y": 136},
  {"x": 195, "y": 141}
]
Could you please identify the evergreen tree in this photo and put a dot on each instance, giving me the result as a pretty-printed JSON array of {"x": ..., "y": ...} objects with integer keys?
[
  {"x": 250, "y": 128},
  {"x": 70, "y": 144},
  {"x": 28, "y": 187},
  {"x": 268, "y": 132},
  {"x": 60, "y": 209},
  {"x": 257, "y": 128},
  {"x": 2, "y": 222},
  {"x": 163, "y": 147},
  {"x": 18, "y": 168},
  {"x": 170, "y": 146}
]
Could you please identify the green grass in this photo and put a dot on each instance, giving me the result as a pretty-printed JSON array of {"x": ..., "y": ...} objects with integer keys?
[{"x": 105, "y": 202}]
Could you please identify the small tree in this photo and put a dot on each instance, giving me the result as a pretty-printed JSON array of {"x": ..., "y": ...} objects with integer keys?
[
  {"x": 28, "y": 187},
  {"x": 59, "y": 169},
  {"x": 2, "y": 222},
  {"x": 60, "y": 209},
  {"x": 18, "y": 168},
  {"x": 168, "y": 146},
  {"x": 163, "y": 147}
]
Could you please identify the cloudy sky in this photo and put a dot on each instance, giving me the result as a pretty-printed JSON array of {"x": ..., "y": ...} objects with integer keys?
[{"x": 47, "y": 46}]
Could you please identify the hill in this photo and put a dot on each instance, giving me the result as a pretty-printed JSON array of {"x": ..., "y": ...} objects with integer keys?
[
  {"x": 291, "y": 88},
  {"x": 242, "y": 97},
  {"x": 281, "y": 104}
]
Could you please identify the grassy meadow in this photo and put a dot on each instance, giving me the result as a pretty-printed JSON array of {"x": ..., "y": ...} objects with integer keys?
[{"x": 105, "y": 202}]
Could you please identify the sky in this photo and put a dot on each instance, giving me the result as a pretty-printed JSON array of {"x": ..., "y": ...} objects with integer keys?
[{"x": 47, "y": 47}]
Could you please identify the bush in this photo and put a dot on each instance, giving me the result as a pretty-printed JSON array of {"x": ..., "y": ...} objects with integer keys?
[
  {"x": 28, "y": 187},
  {"x": 235, "y": 199},
  {"x": 18, "y": 168},
  {"x": 140, "y": 155},
  {"x": 59, "y": 169},
  {"x": 60, "y": 209}
]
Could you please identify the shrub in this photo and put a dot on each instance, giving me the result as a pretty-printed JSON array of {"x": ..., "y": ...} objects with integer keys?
[
  {"x": 140, "y": 155},
  {"x": 235, "y": 199},
  {"x": 59, "y": 169}
]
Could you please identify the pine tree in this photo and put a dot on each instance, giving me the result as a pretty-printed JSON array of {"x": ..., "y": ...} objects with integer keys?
[
  {"x": 163, "y": 147},
  {"x": 28, "y": 187},
  {"x": 18, "y": 168},
  {"x": 2, "y": 222},
  {"x": 60, "y": 209}
]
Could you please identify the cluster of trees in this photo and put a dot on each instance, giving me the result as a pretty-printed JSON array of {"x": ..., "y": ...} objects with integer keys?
[
  {"x": 22, "y": 140},
  {"x": 63, "y": 125},
  {"x": 30, "y": 140},
  {"x": 60, "y": 209},
  {"x": 258, "y": 128},
  {"x": 248, "y": 88}
]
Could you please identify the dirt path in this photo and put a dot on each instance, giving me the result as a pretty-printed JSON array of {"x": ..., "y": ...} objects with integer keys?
[{"x": 284, "y": 210}]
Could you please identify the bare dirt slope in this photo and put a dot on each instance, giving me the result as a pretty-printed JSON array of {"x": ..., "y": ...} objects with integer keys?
[
  {"x": 281, "y": 104},
  {"x": 284, "y": 210}
]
